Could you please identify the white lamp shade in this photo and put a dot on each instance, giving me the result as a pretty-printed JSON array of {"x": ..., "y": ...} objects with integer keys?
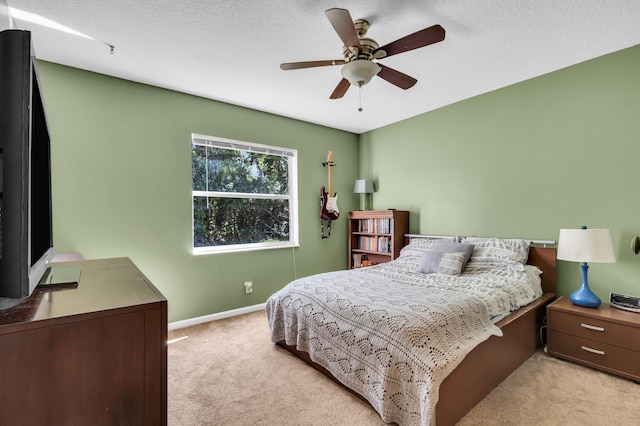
[
  {"x": 363, "y": 186},
  {"x": 585, "y": 245},
  {"x": 360, "y": 71}
]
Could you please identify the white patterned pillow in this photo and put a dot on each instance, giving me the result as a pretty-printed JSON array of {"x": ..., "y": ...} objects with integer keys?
[
  {"x": 497, "y": 250},
  {"x": 452, "y": 263},
  {"x": 443, "y": 263}
]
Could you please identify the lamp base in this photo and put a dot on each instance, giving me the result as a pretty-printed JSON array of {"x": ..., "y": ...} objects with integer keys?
[
  {"x": 584, "y": 296},
  {"x": 364, "y": 202},
  {"x": 585, "y": 299}
]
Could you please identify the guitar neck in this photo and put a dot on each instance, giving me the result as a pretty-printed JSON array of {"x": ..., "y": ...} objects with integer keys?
[{"x": 330, "y": 166}]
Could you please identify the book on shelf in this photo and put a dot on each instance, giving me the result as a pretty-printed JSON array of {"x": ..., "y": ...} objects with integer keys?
[
  {"x": 376, "y": 226},
  {"x": 380, "y": 244}
]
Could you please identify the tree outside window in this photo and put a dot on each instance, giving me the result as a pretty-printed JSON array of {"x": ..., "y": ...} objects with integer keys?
[{"x": 244, "y": 195}]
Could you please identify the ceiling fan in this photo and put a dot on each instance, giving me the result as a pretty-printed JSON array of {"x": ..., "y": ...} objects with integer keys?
[{"x": 358, "y": 66}]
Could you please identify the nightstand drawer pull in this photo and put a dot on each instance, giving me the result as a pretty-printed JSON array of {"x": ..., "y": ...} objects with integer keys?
[
  {"x": 593, "y": 351},
  {"x": 591, "y": 327}
]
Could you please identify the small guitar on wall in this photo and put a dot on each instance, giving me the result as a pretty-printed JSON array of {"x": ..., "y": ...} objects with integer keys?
[{"x": 329, "y": 203}]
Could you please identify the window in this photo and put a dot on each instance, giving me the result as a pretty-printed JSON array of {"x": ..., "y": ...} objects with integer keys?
[{"x": 244, "y": 195}]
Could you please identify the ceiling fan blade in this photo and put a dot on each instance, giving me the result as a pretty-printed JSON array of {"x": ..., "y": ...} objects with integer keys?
[
  {"x": 416, "y": 40},
  {"x": 340, "y": 89},
  {"x": 341, "y": 21},
  {"x": 310, "y": 64},
  {"x": 396, "y": 78}
]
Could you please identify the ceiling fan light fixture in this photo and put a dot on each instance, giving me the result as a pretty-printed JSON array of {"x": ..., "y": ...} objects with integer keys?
[{"x": 360, "y": 71}]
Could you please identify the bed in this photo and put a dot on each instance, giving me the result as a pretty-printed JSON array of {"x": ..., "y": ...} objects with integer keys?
[{"x": 425, "y": 337}]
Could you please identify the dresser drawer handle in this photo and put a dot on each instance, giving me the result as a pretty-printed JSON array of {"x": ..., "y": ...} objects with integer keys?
[
  {"x": 593, "y": 351},
  {"x": 591, "y": 327}
]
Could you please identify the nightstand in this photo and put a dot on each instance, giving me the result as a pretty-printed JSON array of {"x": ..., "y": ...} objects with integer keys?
[{"x": 604, "y": 338}]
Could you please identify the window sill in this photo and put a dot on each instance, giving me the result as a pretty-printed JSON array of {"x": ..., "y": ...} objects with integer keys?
[{"x": 199, "y": 251}]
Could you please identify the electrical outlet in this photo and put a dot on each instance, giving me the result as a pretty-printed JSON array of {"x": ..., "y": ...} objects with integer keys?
[{"x": 248, "y": 287}]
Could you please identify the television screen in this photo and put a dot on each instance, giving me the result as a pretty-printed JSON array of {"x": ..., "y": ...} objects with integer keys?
[{"x": 40, "y": 235}]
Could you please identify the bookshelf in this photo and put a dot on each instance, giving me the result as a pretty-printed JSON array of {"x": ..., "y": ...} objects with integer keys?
[{"x": 376, "y": 236}]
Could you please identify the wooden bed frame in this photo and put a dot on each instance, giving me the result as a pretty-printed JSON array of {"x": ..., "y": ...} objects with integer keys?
[{"x": 492, "y": 361}]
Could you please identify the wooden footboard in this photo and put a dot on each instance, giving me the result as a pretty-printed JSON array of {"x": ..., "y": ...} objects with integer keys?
[
  {"x": 491, "y": 362},
  {"x": 496, "y": 358}
]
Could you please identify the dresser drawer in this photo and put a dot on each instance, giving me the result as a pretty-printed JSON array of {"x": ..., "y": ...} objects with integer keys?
[
  {"x": 595, "y": 329},
  {"x": 610, "y": 358}
]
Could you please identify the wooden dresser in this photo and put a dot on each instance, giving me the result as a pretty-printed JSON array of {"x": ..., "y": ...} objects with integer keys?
[
  {"x": 95, "y": 354},
  {"x": 605, "y": 338}
]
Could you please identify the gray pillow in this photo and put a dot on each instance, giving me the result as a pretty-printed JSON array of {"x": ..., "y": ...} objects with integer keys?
[
  {"x": 443, "y": 263},
  {"x": 452, "y": 247},
  {"x": 429, "y": 262}
]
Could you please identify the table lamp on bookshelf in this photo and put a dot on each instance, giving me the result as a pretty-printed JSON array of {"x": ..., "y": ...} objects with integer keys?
[
  {"x": 585, "y": 245},
  {"x": 364, "y": 187}
]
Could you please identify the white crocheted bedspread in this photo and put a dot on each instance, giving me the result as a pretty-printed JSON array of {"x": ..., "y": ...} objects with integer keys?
[{"x": 392, "y": 334}]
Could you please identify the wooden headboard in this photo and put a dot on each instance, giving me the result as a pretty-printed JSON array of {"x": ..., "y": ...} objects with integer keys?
[
  {"x": 545, "y": 259},
  {"x": 540, "y": 255}
]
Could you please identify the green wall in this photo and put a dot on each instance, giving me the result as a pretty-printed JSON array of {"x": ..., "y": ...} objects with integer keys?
[
  {"x": 121, "y": 173},
  {"x": 557, "y": 151}
]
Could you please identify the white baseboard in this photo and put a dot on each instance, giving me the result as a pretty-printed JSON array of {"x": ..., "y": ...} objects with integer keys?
[{"x": 220, "y": 315}]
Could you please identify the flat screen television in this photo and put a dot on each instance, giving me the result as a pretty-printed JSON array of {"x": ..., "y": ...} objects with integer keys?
[{"x": 26, "y": 236}]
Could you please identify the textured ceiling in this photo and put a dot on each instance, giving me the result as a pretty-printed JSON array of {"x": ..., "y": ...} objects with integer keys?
[{"x": 231, "y": 50}]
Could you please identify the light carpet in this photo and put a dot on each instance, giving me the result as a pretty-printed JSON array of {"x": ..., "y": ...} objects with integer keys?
[{"x": 227, "y": 372}]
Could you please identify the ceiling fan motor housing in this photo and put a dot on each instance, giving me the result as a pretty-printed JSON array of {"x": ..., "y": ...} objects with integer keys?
[{"x": 367, "y": 46}]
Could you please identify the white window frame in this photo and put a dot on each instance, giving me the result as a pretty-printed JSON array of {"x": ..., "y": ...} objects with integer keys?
[{"x": 292, "y": 154}]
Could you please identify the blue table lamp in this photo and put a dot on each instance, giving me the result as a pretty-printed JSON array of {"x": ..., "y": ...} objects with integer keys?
[{"x": 585, "y": 245}]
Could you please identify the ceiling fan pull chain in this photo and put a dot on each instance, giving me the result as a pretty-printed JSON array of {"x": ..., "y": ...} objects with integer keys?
[{"x": 360, "y": 98}]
